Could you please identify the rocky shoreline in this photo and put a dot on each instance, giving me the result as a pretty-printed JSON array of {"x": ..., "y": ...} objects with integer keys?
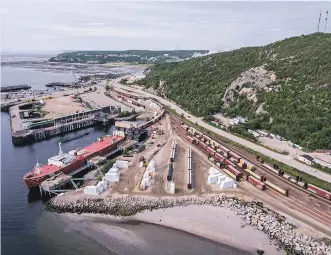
[{"x": 280, "y": 232}]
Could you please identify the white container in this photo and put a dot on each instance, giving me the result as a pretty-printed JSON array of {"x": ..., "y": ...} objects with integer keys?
[
  {"x": 172, "y": 187},
  {"x": 146, "y": 175},
  {"x": 235, "y": 185},
  {"x": 104, "y": 184},
  {"x": 220, "y": 178},
  {"x": 122, "y": 164},
  {"x": 91, "y": 190},
  {"x": 213, "y": 170},
  {"x": 112, "y": 177},
  {"x": 151, "y": 166},
  {"x": 100, "y": 186},
  {"x": 104, "y": 179},
  {"x": 227, "y": 183},
  {"x": 114, "y": 170},
  {"x": 212, "y": 179},
  {"x": 142, "y": 186}
]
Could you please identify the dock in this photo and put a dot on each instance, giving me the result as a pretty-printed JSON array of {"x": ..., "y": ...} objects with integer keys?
[
  {"x": 52, "y": 184},
  {"x": 32, "y": 130}
]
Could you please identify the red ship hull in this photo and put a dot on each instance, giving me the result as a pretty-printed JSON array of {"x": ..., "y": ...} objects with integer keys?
[{"x": 33, "y": 180}]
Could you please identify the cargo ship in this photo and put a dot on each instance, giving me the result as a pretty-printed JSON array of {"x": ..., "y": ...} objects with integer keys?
[{"x": 68, "y": 163}]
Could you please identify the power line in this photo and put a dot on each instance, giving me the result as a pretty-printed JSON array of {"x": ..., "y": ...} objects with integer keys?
[
  {"x": 319, "y": 21},
  {"x": 326, "y": 20}
]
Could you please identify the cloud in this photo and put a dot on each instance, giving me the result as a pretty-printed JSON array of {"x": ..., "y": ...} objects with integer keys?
[{"x": 81, "y": 24}]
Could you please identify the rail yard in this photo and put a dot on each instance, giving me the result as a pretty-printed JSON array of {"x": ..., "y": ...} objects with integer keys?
[{"x": 180, "y": 156}]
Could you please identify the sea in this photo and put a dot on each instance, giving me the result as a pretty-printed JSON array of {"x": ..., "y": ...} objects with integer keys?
[{"x": 26, "y": 228}]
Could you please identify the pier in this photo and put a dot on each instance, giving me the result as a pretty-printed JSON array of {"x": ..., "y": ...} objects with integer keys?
[{"x": 43, "y": 119}]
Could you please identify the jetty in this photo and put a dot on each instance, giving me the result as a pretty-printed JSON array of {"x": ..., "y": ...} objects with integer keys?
[{"x": 15, "y": 88}]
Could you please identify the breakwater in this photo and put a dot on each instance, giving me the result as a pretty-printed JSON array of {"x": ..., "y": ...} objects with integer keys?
[
  {"x": 15, "y": 88},
  {"x": 280, "y": 232}
]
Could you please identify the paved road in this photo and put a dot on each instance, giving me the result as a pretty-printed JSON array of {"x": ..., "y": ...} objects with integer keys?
[{"x": 279, "y": 157}]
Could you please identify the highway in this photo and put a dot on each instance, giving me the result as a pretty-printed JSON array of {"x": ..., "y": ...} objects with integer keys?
[{"x": 286, "y": 159}]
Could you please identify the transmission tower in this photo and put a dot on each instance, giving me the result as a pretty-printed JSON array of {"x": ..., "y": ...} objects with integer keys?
[
  {"x": 326, "y": 20},
  {"x": 319, "y": 21}
]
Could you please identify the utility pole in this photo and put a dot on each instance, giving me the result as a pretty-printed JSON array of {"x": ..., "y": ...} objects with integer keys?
[
  {"x": 326, "y": 20},
  {"x": 319, "y": 21}
]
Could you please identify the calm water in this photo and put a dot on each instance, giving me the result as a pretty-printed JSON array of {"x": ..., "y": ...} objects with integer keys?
[{"x": 25, "y": 226}]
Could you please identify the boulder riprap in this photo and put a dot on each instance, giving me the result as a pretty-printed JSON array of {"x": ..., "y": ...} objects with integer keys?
[{"x": 280, "y": 232}]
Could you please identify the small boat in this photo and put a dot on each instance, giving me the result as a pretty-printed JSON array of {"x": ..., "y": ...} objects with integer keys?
[{"x": 74, "y": 138}]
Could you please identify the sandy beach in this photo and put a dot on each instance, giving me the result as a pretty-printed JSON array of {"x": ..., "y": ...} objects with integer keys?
[{"x": 220, "y": 225}]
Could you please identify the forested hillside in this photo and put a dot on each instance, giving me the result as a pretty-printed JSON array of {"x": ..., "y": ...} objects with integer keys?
[
  {"x": 284, "y": 87},
  {"x": 127, "y": 56}
]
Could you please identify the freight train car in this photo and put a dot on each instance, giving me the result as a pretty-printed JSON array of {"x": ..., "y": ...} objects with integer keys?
[
  {"x": 203, "y": 145},
  {"x": 205, "y": 139},
  {"x": 219, "y": 157},
  {"x": 172, "y": 156},
  {"x": 224, "y": 150},
  {"x": 302, "y": 184},
  {"x": 190, "y": 139},
  {"x": 210, "y": 151},
  {"x": 276, "y": 171},
  {"x": 214, "y": 145},
  {"x": 189, "y": 169},
  {"x": 260, "y": 185},
  {"x": 255, "y": 175},
  {"x": 170, "y": 172},
  {"x": 183, "y": 126},
  {"x": 235, "y": 156},
  {"x": 237, "y": 178},
  {"x": 275, "y": 187},
  {"x": 250, "y": 166},
  {"x": 228, "y": 162},
  {"x": 286, "y": 176},
  {"x": 318, "y": 191},
  {"x": 235, "y": 171}
]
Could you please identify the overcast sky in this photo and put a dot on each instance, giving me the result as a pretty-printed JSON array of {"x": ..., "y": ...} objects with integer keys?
[{"x": 57, "y": 25}]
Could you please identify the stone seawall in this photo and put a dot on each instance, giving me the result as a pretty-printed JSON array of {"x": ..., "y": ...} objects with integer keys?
[{"x": 280, "y": 232}]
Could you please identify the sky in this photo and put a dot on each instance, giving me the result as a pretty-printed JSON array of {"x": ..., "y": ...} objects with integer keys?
[{"x": 62, "y": 25}]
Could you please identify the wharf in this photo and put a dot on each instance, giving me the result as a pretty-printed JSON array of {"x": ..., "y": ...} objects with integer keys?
[
  {"x": 5, "y": 105},
  {"x": 62, "y": 116},
  {"x": 55, "y": 182}
]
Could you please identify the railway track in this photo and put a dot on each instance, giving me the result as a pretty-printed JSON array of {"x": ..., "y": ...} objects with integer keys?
[
  {"x": 257, "y": 164},
  {"x": 292, "y": 202}
]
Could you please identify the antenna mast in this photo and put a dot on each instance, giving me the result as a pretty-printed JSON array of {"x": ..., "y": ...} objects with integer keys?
[
  {"x": 326, "y": 20},
  {"x": 319, "y": 21}
]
